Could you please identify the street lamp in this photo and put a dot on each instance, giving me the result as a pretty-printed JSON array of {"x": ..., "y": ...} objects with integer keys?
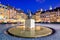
[
  {"x": 50, "y": 8},
  {"x": 41, "y": 10}
]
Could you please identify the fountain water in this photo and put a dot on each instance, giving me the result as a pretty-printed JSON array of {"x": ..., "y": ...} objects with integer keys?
[
  {"x": 30, "y": 23},
  {"x": 29, "y": 29}
]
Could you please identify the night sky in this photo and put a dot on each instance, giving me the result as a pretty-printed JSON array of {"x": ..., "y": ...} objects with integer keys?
[{"x": 32, "y": 5}]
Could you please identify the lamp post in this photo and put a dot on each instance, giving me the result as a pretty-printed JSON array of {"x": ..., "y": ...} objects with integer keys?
[{"x": 50, "y": 8}]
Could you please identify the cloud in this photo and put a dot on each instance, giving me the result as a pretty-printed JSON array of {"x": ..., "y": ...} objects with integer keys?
[{"x": 40, "y": 1}]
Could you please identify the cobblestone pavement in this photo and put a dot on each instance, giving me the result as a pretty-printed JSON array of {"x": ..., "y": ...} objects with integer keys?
[{"x": 5, "y": 36}]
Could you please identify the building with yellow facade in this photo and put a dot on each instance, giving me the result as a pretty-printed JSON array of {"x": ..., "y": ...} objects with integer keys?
[
  {"x": 37, "y": 16},
  {"x": 48, "y": 16},
  {"x": 9, "y": 12}
]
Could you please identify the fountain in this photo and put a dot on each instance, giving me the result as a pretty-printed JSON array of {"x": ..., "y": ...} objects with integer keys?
[
  {"x": 29, "y": 29},
  {"x": 30, "y": 23}
]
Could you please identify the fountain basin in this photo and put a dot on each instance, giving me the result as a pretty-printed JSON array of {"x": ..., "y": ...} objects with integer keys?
[{"x": 21, "y": 32}]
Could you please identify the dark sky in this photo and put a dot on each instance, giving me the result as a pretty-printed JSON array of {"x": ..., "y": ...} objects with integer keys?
[{"x": 32, "y": 5}]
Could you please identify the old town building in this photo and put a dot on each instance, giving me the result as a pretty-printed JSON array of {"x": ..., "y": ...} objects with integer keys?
[
  {"x": 48, "y": 16},
  {"x": 8, "y": 12},
  {"x": 37, "y": 16}
]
